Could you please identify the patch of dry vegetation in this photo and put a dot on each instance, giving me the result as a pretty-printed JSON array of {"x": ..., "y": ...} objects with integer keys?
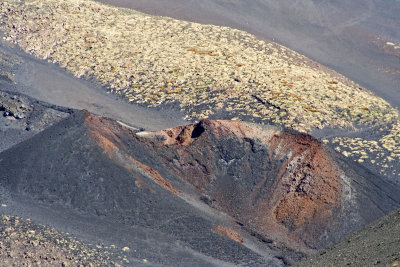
[
  {"x": 203, "y": 68},
  {"x": 384, "y": 153}
]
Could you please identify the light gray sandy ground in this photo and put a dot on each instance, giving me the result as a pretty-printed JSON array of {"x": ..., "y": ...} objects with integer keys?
[{"x": 47, "y": 82}]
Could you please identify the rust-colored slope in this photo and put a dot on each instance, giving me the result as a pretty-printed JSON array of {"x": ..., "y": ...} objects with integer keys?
[
  {"x": 308, "y": 189},
  {"x": 105, "y": 131},
  {"x": 282, "y": 184},
  {"x": 296, "y": 202},
  {"x": 97, "y": 171},
  {"x": 283, "y": 188}
]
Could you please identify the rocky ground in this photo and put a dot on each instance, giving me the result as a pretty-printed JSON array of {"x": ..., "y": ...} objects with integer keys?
[
  {"x": 24, "y": 243},
  {"x": 168, "y": 70},
  {"x": 53, "y": 86},
  {"x": 206, "y": 71},
  {"x": 358, "y": 38},
  {"x": 22, "y": 117},
  {"x": 214, "y": 192},
  {"x": 204, "y": 68},
  {"x": 376, "y": 245}
]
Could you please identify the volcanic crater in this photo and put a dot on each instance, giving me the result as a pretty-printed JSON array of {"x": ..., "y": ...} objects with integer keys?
[
  {"x": 274, "y": 187},
  {"x": 280, "y": 183}
]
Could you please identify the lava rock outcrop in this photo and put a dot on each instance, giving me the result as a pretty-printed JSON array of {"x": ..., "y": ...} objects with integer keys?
[{"x": 21, "y": 117}]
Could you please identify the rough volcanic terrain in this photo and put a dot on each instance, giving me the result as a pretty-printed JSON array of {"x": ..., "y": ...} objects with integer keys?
[
  {"x": 22, "y": 117},
  {"x": 215, "y": 191},
  {"x": 25, "y": 244},
  {"x": 202, "y": 69},
  {"x": 76, "y": 188},
  {"x": 377, "y": 244},
  {"x": 72, "y": 168},
  {"x": 51, "y": 85},
  {"x": 274, "y": 181},
  {"x": 359, "y": 39},
  {"x": 188, "y": 70}
]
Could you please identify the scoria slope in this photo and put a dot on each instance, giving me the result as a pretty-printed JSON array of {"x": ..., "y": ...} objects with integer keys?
[
  {"x": 378, "y": 244},
  {"x": 228, "y": 190},
  {"x": 80, "y": 170},
  {"x": 282, "y": 184}
]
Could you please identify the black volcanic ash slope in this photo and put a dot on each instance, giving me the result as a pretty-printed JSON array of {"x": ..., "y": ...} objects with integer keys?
[
  {"x": 71, "y": 165},
  {"x": 282, "y": 188},
  {"x": 21, "y": 117}
]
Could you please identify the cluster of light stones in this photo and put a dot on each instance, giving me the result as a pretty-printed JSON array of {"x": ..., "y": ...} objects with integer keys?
[{"x": 383, "y": 154}]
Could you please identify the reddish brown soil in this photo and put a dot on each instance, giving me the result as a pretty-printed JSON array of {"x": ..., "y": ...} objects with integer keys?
[
  {"x": 281, "y": 184},
  {"x": 114, "y": 148},
  {"x": 304, "y": 191},
  {"x": 309, "y": 189},
  {"x": 225, "y": 231},
  {"x": 206, "y": 184}
]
